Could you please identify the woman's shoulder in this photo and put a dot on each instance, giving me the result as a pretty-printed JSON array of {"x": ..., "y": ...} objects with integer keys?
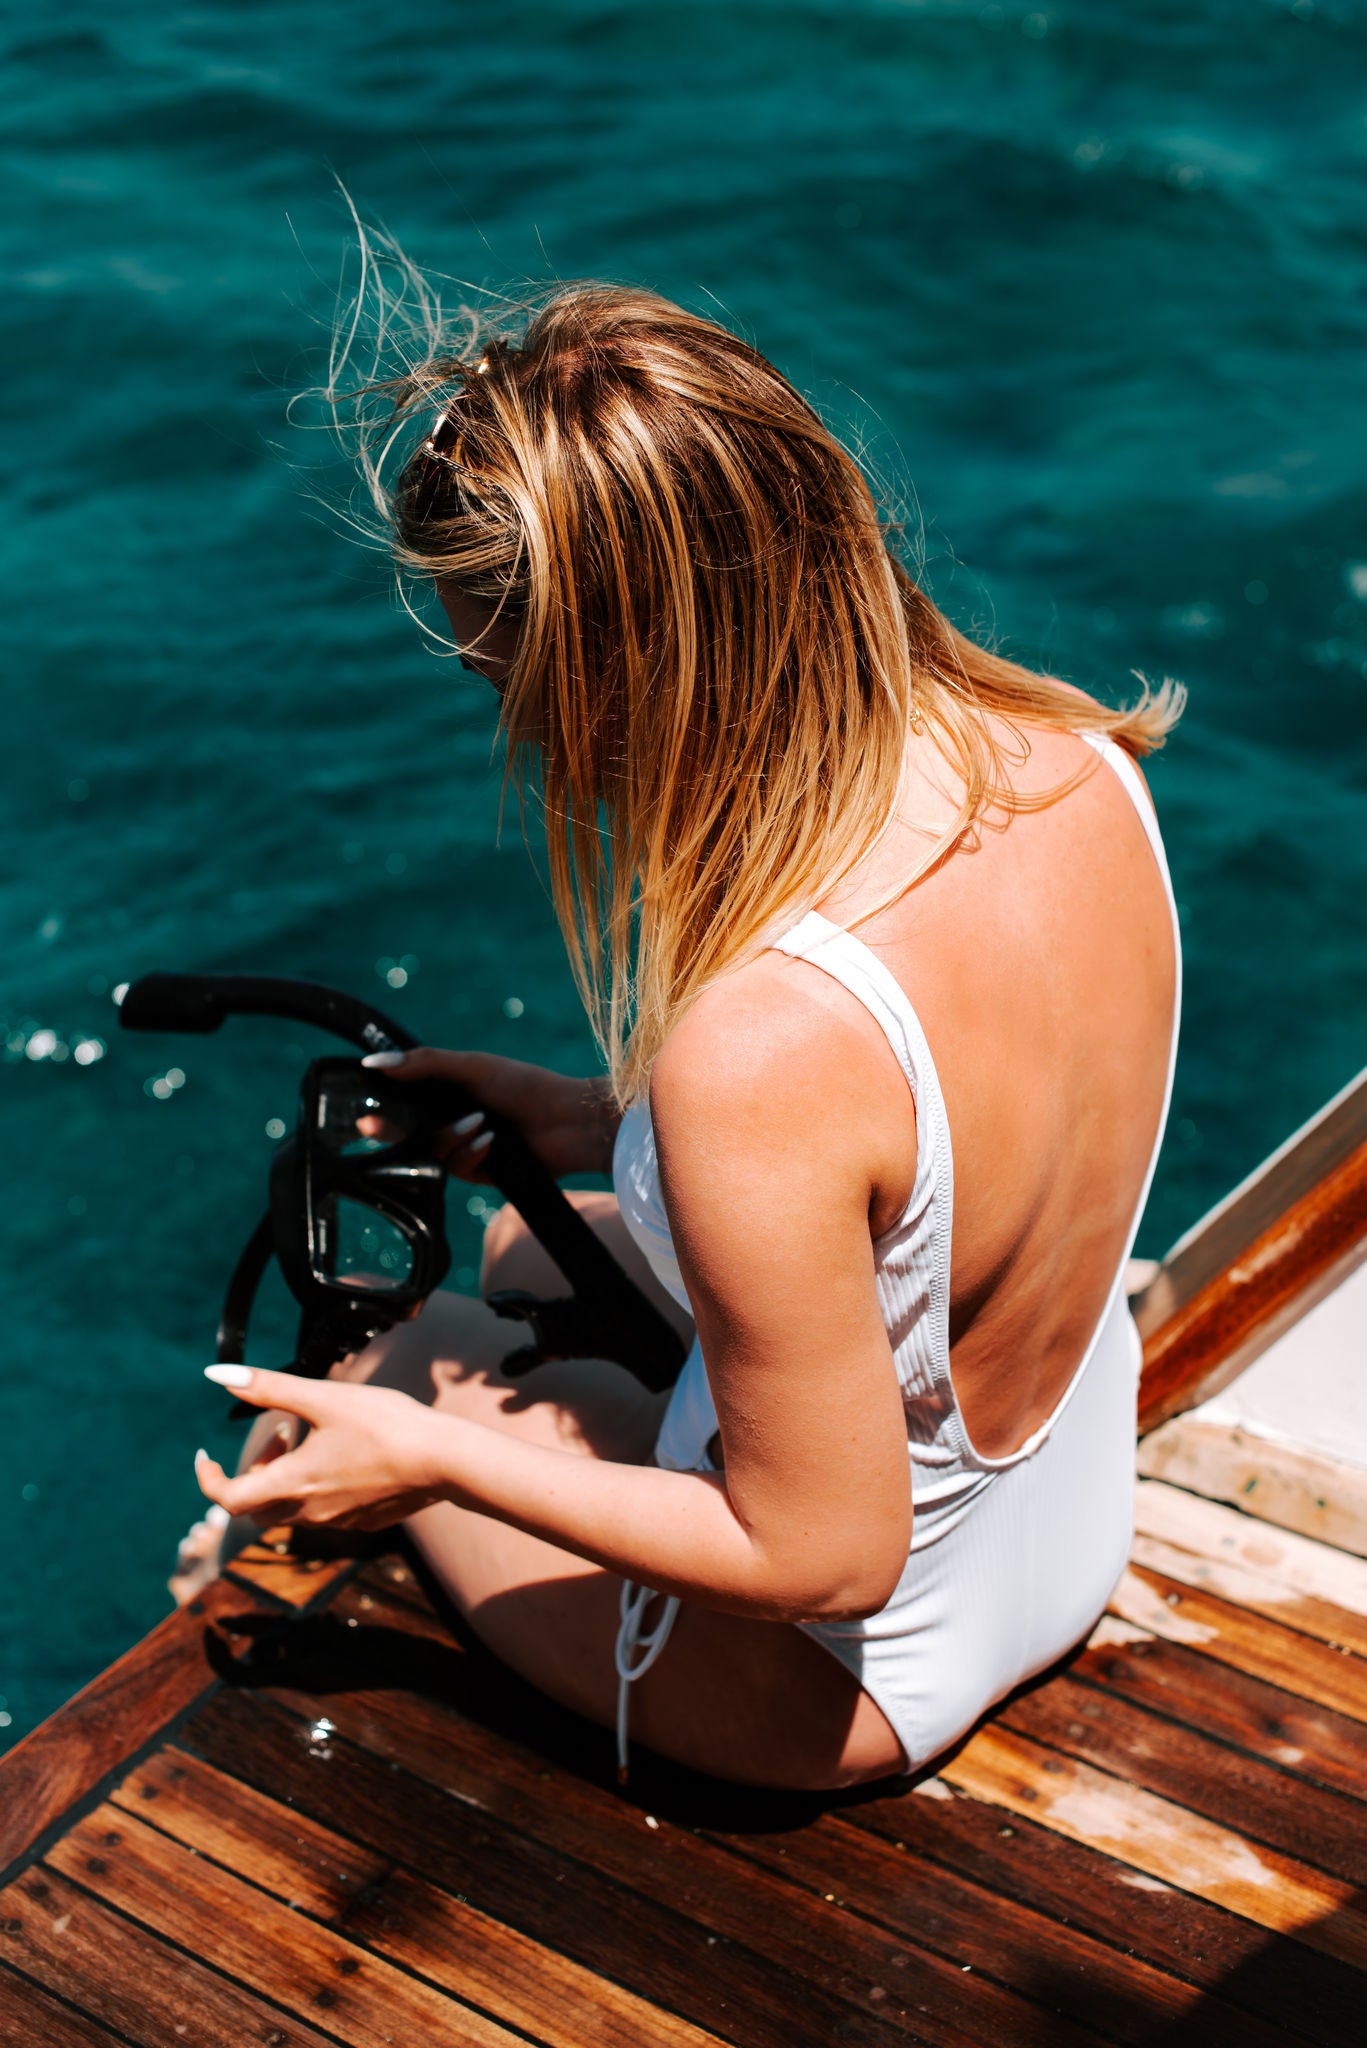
[
  {"x": 775, "y": 1046},
  {"x": 761, "y": 1025}
]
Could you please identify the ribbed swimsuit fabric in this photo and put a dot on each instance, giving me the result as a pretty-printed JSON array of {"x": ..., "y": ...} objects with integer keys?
[{"x": 1012, "y": 1559}]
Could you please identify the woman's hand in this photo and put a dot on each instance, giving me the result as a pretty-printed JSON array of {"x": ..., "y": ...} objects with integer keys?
[
  {"x": 368, "y": 1460},
  {"x": 569, "y": 1123}
]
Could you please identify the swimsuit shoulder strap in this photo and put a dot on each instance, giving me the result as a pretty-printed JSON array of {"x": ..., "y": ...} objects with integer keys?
[{"x": 849, "y": 961}]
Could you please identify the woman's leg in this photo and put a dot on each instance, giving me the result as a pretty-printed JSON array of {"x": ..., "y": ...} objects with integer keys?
[
  {"x": 514, "y": 1258},
  {"x": 755, "y": 1701}
]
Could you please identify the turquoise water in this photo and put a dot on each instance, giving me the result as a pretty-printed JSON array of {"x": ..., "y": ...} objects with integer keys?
[{"x": 1088, "y": 280}]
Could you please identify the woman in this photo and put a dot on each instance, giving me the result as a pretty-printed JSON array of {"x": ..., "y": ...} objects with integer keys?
[{"x": 876, "y": 934}]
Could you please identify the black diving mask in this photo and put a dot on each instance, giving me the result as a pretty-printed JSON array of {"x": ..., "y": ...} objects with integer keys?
[{"x": 357, "y": 1215}]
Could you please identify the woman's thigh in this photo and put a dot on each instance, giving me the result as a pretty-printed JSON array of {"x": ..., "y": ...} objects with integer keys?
[
  {"x": 514, "y": 1258},
  {"x": 755, "y": 1701}
]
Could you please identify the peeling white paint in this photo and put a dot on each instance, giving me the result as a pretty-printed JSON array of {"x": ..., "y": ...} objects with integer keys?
[
  {"x": 1112, "y": 1633},
  {"x": 1136, "y": 1602}
]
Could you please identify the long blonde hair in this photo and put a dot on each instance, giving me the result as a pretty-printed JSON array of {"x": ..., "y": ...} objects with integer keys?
[{"x": 718, "y": 656}]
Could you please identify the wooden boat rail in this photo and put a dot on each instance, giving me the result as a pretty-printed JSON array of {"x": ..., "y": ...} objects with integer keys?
[{"x": 1290, "y": 1234}]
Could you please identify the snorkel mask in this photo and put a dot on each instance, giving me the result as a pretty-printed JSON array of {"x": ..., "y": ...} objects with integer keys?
[{"x": 357, "y": 1212}]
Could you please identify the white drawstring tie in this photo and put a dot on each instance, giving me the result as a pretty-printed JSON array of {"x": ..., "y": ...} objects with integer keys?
[{"x": 634, "y": 1642}]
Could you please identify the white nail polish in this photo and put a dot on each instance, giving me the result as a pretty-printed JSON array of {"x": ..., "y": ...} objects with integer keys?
[
  {"x": 384, "y": 1059},
  {"x": 229, "y": 1375},
  {"x": 468, "y": 1124},
  {"x": 201, "y": 1453},
  {"x": 217, "y": 1517},
  {"x": 478, "y": 1144}
]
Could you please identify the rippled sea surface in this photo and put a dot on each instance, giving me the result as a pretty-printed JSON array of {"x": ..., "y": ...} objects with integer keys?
[{"x": 1088, "y": 281}]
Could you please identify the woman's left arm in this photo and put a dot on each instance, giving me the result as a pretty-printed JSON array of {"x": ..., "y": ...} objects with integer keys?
[{"x": 776, "y": 1114}]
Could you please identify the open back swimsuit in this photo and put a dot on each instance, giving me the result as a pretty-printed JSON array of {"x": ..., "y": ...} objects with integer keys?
[{"x": 1012, "y": 1559}]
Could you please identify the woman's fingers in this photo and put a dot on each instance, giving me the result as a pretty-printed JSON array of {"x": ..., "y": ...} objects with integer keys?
[
  {"x": 423, "y": 1061},
  {"x": 468, "y": 1140},
  {"x": 258, "y": 1493},
  {"x": 312, "y": 1399},
  {"x": 466, "y": 1147}
]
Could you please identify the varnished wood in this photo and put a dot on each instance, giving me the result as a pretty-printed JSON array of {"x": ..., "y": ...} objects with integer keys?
[
  {"x": 332, "y": 1821},
  {"x": 1125, "y": 1997},
  {"x": 558, "y": 2001},
  {"x": 1178, "y": 1889},
  {"x": 514, "y": 1978},
  {"x": 1282, "y": 1181},
  {"x": 278, "y": 1566},
  {"x": 1293, "y": 1489},
  {"x": 30, "y": 2018},
  {"x": 1254, "y": 1592},
  {"x": 307, "y": 1969},
  {"x": 1253, "y": 1799},
  {"x": 1166, "y": 1841},
  {"x": 1197, "y": 1344},
  {"x": 65, "y": 1758},
  {"x": 1230, "y": 1634},
  {"x": 144, "y": 1990},
  {"x": 734, "y": 1950},
  {"x": 1245, "y": 1712},
  {"x": 1277, "y": 1981},
  {"x": 226, "y": 1820}
]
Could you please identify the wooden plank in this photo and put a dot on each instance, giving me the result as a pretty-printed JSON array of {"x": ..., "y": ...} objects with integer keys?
[
  {"x": 1208, "y": 1529},
  {"x": 225, "y": 1819},
  {"x": 1294, "y": 1489},
  {"x": 1270, "y": 1976},
  {"x": 514, "y": 1975},
  {"x": 656, "y": 1907},
  {"x": 1324, "y": 1829},
  {"x": 653, "y": 1945},
  {"x": 1299, "y": 1737},
  {"x": 1233, "y": 1635},
  {"x": 144, "y": 1991},
  {"x": 1064, "y": 1968},
  {"x": 399, "y": 1915},
  {"x": 392, "y": 1576},
  {"x": 1163, "y": 1840},
  {"x": 1256, "y": 1592},
  {"x": 1196, "y": 1346},
  {"x": 274, "y": 1566},
  {"x": 67, "y": 1756},
  {"x": 309, "y": 1970},
  {"x": 1122, "y": 1924},
  {"x": 30, "y": 2018}
]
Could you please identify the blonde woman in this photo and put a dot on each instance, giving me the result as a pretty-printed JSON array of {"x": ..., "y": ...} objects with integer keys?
[{"x": 876, "y": 933}]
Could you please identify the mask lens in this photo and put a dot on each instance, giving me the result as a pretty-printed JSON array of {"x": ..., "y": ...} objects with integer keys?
[
  {"x": 355, "y": 1118},
  {"x": 361, "y": 1248}
]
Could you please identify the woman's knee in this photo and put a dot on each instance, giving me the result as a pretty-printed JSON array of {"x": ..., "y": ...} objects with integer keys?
[
  {"x": 514, "y": 1258},
  {"x": 452, "y": 1339}
]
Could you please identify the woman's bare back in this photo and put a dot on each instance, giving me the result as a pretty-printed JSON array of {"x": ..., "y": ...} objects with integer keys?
[{"x": 1039, "y": 957}]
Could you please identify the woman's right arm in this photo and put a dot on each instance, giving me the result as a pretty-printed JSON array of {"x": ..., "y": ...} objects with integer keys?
[{"x": 569, "y": 1121}]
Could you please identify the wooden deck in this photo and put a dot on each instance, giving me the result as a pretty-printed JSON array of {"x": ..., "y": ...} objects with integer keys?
[
  {"x": 304, "y": 1811},
  {"x": 307, "y": 1814}
]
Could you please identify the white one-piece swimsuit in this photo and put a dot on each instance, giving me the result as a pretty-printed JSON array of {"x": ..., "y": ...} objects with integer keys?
[{"x": 1012, "y": 1559}]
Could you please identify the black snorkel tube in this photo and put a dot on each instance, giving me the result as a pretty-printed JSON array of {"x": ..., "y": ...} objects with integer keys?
[{"x": 607, "y": 1314}]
